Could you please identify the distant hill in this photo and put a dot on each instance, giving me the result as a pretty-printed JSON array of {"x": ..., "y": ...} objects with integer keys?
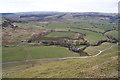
[
  {"x": 6, "y": 13},
  {"x": 50, "y": 15}
]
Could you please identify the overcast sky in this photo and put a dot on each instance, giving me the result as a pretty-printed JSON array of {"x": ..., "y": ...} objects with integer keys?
[{"x": 109, "y": 6}]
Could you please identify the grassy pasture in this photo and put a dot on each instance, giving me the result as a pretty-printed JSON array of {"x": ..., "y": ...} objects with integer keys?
[
  {"x": 31, "y": 24},
  {"x": 81, "y": 46},
  {"x": 94, "y": 49},
  {"x": 23, "y": 53},
  {"x": 93, "y": 20},
  {"x": 57, "y": 26},
  {"x": 81, "y": 25},
  {"x": 96, "y": 29},
  {"x": 114, "y": 34},
  {"x": 62, "y": 34},
  {"x": 92, "y": 37},
  {"x": 102, "y": 24},
  {"x": 64, "y": 25},
  {"x": 104, "y": 27},
  {"x": 102, "y": 66}
]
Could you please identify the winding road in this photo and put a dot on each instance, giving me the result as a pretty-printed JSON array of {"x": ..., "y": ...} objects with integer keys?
[{"x": 66, "y": 58}]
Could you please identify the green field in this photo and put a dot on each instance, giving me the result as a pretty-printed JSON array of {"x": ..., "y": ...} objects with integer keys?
[
  {"x": 91, "y": 37},
  {"x": 81, "y": 46},
  {"x": 105, "y": 27},
  {"x": 114, "y": 34},
  {"x": 57, "y": 26},
  {"x": 62, "y": 34},
  {"x": 31, "y": 25},
  {"x": 95, "y": 49},
  {"x": 23, "y": 53},
  {"x": 102, "y": 66}
]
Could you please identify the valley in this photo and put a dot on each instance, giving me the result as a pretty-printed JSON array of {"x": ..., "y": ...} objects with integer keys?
[{"x": 55, "y": 45}]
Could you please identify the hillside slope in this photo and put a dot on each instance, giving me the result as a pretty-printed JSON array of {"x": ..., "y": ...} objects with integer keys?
[{"x": 102, "y": 66}]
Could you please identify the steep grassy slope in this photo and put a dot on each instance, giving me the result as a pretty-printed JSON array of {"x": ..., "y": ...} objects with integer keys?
[{"x": 102, "y": 66}]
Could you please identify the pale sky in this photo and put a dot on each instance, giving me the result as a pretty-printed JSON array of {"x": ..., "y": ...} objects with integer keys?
[{"x": 109, "y": 6}]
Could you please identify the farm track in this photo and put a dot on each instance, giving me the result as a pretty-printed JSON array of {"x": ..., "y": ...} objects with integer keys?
[{"x": 66, "y": 58}]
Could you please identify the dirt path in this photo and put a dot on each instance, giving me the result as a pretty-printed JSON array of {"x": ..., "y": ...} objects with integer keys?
[{"x": 66, "y": 58}]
